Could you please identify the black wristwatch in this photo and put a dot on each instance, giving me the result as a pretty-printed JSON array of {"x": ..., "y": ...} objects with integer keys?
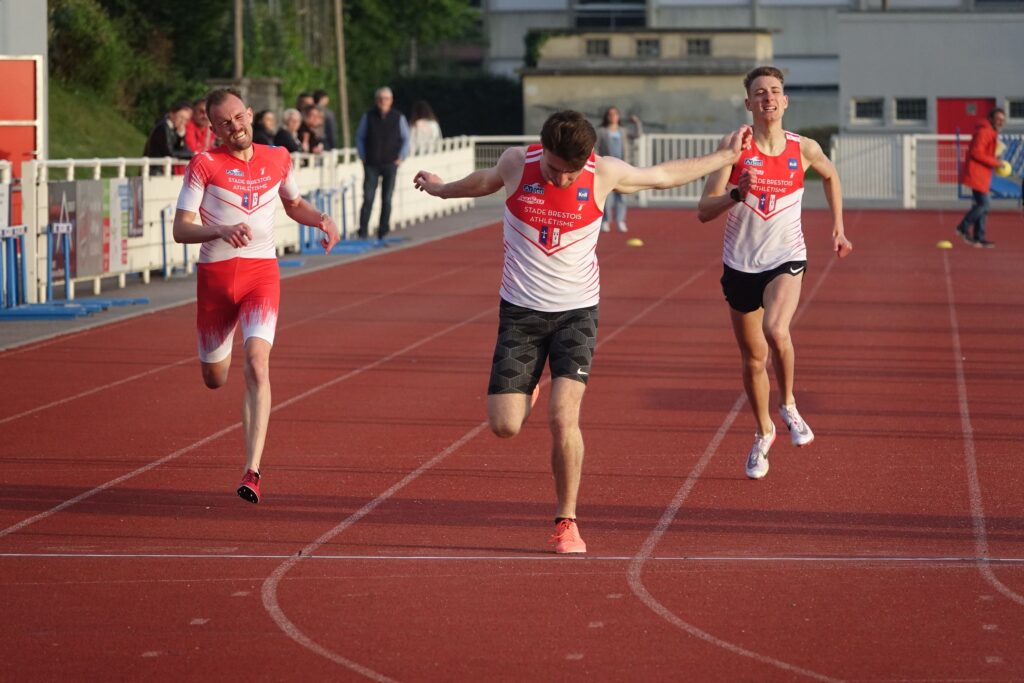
[{"x": 734, "y": 194}]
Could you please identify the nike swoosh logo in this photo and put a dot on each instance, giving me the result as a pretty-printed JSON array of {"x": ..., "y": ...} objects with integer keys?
[
  {"x": 797, "y": 271},
  {"x": 581, "y": 371}
]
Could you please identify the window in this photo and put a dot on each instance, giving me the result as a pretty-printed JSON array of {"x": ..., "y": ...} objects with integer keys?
[
  {"x": 911, "y": 109},
  {"x": 1015, "y": 109},
  {"x": 648, "y": 47},
  {"x": 698, "y": 47},
  {"x": 867, "y": 109},
  {"x": 597, "y": 48}
]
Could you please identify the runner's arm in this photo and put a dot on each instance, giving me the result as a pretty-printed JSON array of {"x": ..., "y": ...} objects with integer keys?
[
  {"x": 477, "y": 184},
  {"x": 301, "y": 211},
  {"x": 628, "y": 179},
  {"x": 187, "y": 231},
  {"x": 815, "y": 158}
]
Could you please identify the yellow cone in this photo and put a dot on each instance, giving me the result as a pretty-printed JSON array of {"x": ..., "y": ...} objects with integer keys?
[
  {"x": 944, "y": 244},
  {"x": 634, "y": 242}
]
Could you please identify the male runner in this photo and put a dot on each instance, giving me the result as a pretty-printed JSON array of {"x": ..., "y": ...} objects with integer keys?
[
  {"x": 550, "y": 286},
  {"x": 234, "y": 189},
  {"x": 765, "y": 256}
]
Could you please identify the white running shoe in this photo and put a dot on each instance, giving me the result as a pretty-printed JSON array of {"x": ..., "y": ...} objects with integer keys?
[
  {"x": 622, "y": 226},
  {"x": 799, "y": 432},
  {"x": 606, "y": 227},
  {"x": 757, "y": 461}
]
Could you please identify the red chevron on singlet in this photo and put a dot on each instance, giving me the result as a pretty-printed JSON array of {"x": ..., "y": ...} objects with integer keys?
[{"x": 550, "y": 236}]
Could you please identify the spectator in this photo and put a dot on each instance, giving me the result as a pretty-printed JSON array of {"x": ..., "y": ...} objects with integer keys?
[
  {"x": 303, "y": 100},
  {"x": 615, "y": 141},
  {"x": 308, "y": 137},
  {"x": 167, "y": 139},
  {"x": 288, "y": 134},
  {"x": 329, "y": 129},
  {"x": 977, "y": 175},
  {"x": 424, "y": 129},
  {"x": 198, "y": 134},
  {"x": 264, "y": 127},
  {"x": 382, "y": 140}
]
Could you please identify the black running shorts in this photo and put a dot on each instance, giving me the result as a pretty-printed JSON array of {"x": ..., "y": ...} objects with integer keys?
[
  {"x": 745, "y": 291},
  {"x": 526, "y": 338}
]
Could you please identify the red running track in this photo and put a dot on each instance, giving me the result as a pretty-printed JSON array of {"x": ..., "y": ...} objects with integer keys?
[{"x": 400, "y": 540}]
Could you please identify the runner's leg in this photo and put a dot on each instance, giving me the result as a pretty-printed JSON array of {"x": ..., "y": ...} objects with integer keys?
[
  {"x": 747, "y": 327},
  {"x": 781, "y": 297},
  {"x": 566, "y": 442}
]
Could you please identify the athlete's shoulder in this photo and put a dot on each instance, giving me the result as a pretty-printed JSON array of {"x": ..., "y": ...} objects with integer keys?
[{"x": 792, "y": 137}]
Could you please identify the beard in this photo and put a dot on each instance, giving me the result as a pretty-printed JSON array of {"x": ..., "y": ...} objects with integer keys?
[{"x": 240, "y": 145}]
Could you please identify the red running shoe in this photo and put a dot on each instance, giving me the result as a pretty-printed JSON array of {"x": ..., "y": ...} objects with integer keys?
[
  {"x": 567, "y": 538},
  {"x": 249, "y": 489}
]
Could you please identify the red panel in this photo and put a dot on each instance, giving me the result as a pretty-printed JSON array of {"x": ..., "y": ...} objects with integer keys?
[
  {"x": 17, "y": 144},
  {"x": 957, "y": 114},
  {"x": 19, "y": 100}
]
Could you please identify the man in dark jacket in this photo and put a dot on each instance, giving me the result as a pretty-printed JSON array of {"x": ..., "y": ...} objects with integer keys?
[
  {"x": 977, "y": 175},
  {"x": 382, "y": 140},
  {"x": 167, "y": 139}
]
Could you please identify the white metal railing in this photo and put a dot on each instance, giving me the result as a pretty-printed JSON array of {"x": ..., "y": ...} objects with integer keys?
[
  {"x": 908, "y": 169},
  {"x": 337, "y": 175},
  {"x": 5, "y": 172},
  {"x": 489, "y": 148},
  {"x": 654, "y": 149}
]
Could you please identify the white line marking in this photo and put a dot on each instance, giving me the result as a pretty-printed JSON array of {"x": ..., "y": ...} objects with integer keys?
[
  {"x": 646, "y": 550},
  {"x": 270, "y": 601},
  {"x": 970, "y": 459},
  {"x": 694, "y": 559}
]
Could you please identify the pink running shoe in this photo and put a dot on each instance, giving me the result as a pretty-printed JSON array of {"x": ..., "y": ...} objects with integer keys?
[
  {"x": 567, "y": 538},
  {"x": 249, "y": 489}
]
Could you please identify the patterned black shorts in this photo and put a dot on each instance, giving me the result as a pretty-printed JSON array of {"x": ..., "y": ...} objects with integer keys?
[{"x": 526, "y": 338}]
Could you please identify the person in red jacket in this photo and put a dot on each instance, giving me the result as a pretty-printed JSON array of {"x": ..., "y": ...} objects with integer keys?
[{"x": 977, "y": 175}]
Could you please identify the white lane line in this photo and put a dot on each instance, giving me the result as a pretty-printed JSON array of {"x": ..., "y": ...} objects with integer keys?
[
  {"x": 647, "y": 549},
  {"x": 686, "y": 559},
  {"x": 226, "y": 430},
  {"x": 189, "y": 359},
  {"x": 970, "y": 456},
  {"x": 270, "y": 601}
]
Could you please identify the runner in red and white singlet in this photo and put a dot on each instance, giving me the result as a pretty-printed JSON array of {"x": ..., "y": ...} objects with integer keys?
[
  {"x": 234, "y": 191},
  {"x": 550, "y": 283},
  {"x": 551, "y": 240},
  {"x": 764, "y": 253},
  {"x": 764, "y": 231}
]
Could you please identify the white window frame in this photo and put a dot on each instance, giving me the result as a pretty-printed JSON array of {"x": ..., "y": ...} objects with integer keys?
[
  {"x": 862, "y": 121},
  {"x": 923, "y": 120}
]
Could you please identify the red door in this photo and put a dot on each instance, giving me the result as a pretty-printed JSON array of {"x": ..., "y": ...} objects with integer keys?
[
  {"x": 20, "y": 118},
  {"x": 957, "y": 114}
]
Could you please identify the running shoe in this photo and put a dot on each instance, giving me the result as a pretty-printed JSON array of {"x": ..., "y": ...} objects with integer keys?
[
  {"x": 757, "y": 461},
  {"x": 984, "y": 244},
  {"x": 799, "y": 432},
  {"x": 622, "y": 226},
  {"x": 962, "y": 231},
  {"x": 249, "y": 489},
  {"x": 567, "y": 538},
  {"x": 605, "y": 226}
]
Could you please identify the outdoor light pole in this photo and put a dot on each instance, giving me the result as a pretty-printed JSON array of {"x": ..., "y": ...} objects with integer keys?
[{"x": 339, "y": 42}]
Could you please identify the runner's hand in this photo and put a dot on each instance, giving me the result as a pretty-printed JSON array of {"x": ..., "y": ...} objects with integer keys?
[
  {"x": 237, "y": 235},
  {"x": 841, "y": 246},
  {"x": 332, "y": 235},
  {"x": 427, "y": 182}
]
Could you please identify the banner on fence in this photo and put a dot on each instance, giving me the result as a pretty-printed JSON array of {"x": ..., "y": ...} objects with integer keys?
[
  {"x": 61, "y": 209},
  {"x": 121, "y": 214}
]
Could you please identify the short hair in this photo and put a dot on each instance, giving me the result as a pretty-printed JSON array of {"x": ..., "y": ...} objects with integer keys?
[
  {"x": 762, "y": 71},
  {"x": 381, "y": 90},
  {"x": 319, "y": 95},
  {"x": 178, "y": 106},
  {"x": 220, "y": 95},
  {"x": 309, "y": 108},
  {"x": 289, "y": 113},
  {"x": 196, "y": 103},
  {"x": 995, "y": 110},
  {"x": 570, "y": 136}
]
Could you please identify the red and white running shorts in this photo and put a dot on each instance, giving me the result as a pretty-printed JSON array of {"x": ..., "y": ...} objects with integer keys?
[{"x": 236, "y": 290}]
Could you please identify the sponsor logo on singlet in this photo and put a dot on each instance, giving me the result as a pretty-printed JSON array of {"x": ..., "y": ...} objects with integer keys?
[
  {"x": 793, "y": 165},
  {"x": 529, "y": 199},
  {"x": 236, "y": 172},
  {"x": 582, "y": 194},
  {"x": 533, "y": 188},
  {"x": 754, "y": 161}
]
